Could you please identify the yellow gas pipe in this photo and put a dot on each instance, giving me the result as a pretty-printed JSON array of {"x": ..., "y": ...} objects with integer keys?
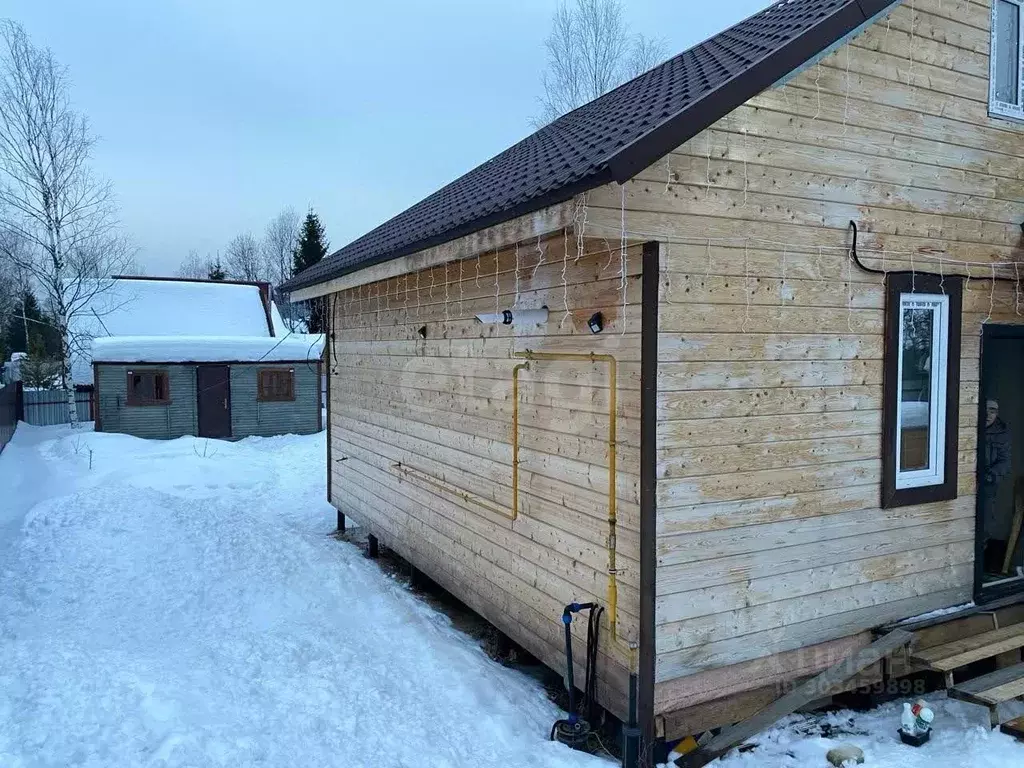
[{"x": 613, "y": 588}]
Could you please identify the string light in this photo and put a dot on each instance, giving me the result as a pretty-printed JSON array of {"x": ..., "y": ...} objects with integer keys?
[
  {"x": 991, "y": 296},
  {"x": 865, "y": 252},
  {"x": 782, "y": 288},
  {"x": 565, "y": 279},
  {"x": 746, "y": 287},
  {"x": 668, "y": 173},
  {"x": 580, "y": 224},
  {"x": 817, "y": 89},
  {"x": 497, "y": 285},
  {"x": 910, "y": 49},
  {"x": 515, "y": 304},
  {"x": 446, "y": 293},
  {"x": 707, "y": 187},
  {"x": 622, "y": 262},
  {"x": 707, "y": 273},
  {"x": 746, "y": 180},
  {"x": 846, "y": 104},
  {"x": 849, "y": 292},
  {"x": 462, "y": 263},
  {"x": 540, "y": 259}
]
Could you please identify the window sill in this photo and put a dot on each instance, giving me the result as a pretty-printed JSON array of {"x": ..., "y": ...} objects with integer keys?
[
  {"x": 146, "y": 403},
  {"x": 1016, "y": 118}
]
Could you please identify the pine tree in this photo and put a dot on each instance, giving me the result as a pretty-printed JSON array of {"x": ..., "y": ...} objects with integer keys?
[
  {"x": 26, "y": 315},
  {"x": 312, "y": 247},
  {"x": 217, "y": 270}
]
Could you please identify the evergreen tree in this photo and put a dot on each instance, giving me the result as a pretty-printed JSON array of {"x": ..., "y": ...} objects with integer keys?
[
  {"x": 217, "y": 270},
  {"x": 35, "y": 320},
  {"x": 312, "y": 247},
  {"x": 39, "y": 370}
]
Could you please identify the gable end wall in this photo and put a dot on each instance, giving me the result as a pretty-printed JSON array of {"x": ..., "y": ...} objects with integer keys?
[{"x": 770, "y": 535}]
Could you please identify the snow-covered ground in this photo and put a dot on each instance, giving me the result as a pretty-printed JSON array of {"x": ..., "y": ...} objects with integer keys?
[
  {"x": 181, "y": 604},
  {"x": 961, "y": 739}
]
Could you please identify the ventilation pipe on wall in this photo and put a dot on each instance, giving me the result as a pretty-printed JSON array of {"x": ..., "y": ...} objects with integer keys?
[{"x": 515, "y": 317}]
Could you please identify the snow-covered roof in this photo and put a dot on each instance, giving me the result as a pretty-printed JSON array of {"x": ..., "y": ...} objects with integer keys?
[
  {"x": 168, "y": 308},
  {"x": 206, "y": 349}
]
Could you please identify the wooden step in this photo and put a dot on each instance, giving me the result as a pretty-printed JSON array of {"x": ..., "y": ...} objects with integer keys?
[
  {"x": 1014, "y": 728},
  {"x": 993, "y": 689},
  {"x": 946, "y": 658}
]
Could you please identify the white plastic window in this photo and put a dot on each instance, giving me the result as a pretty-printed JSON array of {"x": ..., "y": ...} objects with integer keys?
[
  {"x": 1006, "y": 97},
  {"x": 921, "y": 419}
]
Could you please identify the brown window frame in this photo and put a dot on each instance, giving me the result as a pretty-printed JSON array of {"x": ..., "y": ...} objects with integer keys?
[
  {"x": 262, "y": 394},
  {"x": 133, "y": 400},
  {"x": 896, "y": 285}
]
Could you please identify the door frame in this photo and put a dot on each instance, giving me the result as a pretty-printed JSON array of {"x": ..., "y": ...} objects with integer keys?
[
  {"x": 987, "y": 594},
  {"x": 199, "y": 392}
]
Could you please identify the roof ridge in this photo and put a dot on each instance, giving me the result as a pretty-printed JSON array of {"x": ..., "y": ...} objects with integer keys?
[{"x": 614, "y": 136}]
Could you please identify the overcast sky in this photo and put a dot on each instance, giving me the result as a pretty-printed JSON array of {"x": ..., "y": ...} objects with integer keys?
[{"x": 215, "y": 114}]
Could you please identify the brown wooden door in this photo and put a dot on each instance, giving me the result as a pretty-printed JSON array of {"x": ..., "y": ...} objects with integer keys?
[{"x": 213, "y": 392}]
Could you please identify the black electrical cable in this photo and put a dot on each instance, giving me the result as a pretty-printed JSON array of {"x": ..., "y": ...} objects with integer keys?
[
  {"x": 855, "y": 256},
  {"x": 590, "y": 683}
]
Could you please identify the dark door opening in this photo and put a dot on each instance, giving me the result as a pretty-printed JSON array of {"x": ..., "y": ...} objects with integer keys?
[
  {"x": 213, "y": 395},
  {"x": 999, "y": 564}
]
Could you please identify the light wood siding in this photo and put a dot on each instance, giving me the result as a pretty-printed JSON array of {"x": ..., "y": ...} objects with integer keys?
[
  {"x": 251, "y": 417},
  {"x": 159, "y": 422},
  {"x": 441, "y": 407},
  {"x": 248, "y": 417},
  {"x": 770, "y": 535}
]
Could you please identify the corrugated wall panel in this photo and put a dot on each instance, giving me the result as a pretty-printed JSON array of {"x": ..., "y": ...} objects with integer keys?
[
  {"x": 251, "y": 417},
  {"x": 150, "y": 421}
]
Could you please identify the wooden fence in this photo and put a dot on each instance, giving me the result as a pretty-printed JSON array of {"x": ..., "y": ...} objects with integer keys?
[{"x": 11, "y": 411}]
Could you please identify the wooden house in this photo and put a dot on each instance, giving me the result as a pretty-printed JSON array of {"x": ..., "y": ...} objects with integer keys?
[{"x": 781, "y": 280}]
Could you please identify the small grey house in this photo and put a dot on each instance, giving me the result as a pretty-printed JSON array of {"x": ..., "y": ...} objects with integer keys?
[
  {"x": 172, "y": 357},
  {"x": 219, "y": 387}
]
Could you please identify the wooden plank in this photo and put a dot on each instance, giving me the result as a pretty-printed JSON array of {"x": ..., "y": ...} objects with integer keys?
[
  {"x": 697, "y": 633},
  {"x": 810, "y": 582},
  {"x": 950, "y": 656},
  {"x": 992, "y": 689},
  {"x": 819, "y": 686},
  {"x": 819, "y": 552},
  {"x": 683, "y": 692}
]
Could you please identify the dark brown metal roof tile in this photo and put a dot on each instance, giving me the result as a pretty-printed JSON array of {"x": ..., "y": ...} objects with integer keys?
[{"x": 615, "y": 136}]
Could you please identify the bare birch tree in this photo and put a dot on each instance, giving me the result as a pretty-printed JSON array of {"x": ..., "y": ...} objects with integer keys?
[
  {"x": 49, "y": 195},
  {"x": 195, "y": 266},
  {"x": 279, "y": 241},
  {"x": 590, "y": 51},
  {"x": 244, "y": 259}
]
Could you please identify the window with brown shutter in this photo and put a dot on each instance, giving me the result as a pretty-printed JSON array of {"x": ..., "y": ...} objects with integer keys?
[
  {"x": 148, "y": 388},
  {"x": 275, "y": 385}
]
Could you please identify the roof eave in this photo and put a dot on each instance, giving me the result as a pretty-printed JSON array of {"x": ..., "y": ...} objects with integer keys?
[{"x": 591, "y": 181}]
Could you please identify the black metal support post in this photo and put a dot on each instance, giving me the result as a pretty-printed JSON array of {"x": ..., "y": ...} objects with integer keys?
[
  {"x": 631, "y": 731},
  {"x": 372, "y": 547},
  {"x": 341, "y": 522}
]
